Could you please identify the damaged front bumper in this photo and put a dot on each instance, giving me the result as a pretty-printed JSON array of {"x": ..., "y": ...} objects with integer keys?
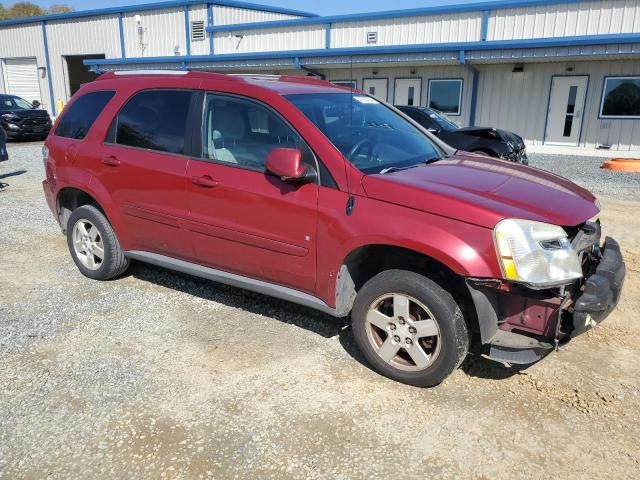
[
  {"x": 521, "y": 326},
  {"x": 601, "y": 291}
]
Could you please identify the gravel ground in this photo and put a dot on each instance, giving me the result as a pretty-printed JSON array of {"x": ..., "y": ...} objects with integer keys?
[
  {"x": 586, "y": 172},
  {"x": 164, "y": 376}
]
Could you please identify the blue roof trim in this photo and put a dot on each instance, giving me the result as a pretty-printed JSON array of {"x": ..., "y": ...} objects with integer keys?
[
  {"x": 479, "y": 7},
  {"x": 264, "y": 8},
  {"x": 152, "y": 6},
  {"x": 356, "y": 52}
]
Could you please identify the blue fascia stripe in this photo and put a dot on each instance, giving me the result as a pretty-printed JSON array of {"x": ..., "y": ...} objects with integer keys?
[
  {"x": 48, "y": 63},
  {"x": 153, "y": 6},
  {"x": 484, "y": 28},
  {"x": 210, "y": 22},
  {"x": 414, "y": 12},
  {"x": 611, "y": 39},
  {"x": 187, "y": 30},
  {"x": 123, "y": 52}
]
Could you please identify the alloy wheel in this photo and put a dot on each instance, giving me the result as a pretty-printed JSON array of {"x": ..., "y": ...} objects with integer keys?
[
  {"x": 88, "y": 245},
  {"x": 403, "y": 332}
]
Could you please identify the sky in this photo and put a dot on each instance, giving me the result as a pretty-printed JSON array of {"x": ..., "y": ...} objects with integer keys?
[{"x": 325, "y": 7}]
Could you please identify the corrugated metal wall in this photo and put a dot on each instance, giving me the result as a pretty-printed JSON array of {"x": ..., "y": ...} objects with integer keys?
[
  {"x": 230, "y": 15},
  {"x": 519, "y": 101},
  {"x": 25, "y": 41},
  {"x": 163, "y": 33},
  {"x": 96, "y": 35},
  {"x": 292, "y": 38},
  {"x": 406, "y": 31},
  {"x": 588, "y": 18}
]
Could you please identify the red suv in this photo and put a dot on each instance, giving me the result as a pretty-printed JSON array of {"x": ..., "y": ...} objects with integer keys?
[{"x": 329, "y": 198}]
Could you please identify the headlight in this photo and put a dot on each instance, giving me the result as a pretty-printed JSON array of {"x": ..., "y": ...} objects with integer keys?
[
  {"x": 13, "y": 126},
  {"x": 10, "y": 117},
  {"x": 537, "y": 254}
]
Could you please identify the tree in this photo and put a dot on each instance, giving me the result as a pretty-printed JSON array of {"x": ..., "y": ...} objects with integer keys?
[
  {"x": 25, "y": 9},
  {"x": 4, "y": 13},
  {"x": 59, "y": 8}
]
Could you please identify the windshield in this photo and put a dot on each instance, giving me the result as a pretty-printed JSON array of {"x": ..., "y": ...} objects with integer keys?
[
  {"x": 14, "y": 103},
  {"x": 369, "y": 134},
  {"x": 442, "y": 120}
]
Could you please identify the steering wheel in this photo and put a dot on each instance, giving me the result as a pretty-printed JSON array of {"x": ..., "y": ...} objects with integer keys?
[{"x": 359, "y": 146}]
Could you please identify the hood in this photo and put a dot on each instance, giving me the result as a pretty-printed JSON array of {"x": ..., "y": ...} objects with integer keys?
[
  {"x": 34, "y": 113},
  {"x": 482, "y": 191}
]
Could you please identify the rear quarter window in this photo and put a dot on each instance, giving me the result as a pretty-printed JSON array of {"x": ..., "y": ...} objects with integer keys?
[
  {"x": 153, "y": 120},
  {"x": 77, "y": 121}
]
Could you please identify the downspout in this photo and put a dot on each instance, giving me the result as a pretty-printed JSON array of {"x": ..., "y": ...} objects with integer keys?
[
  {"x": 475, "y": 79},
  {"x": 52, "y": 107},
  {"x": 299, "y": 66}
]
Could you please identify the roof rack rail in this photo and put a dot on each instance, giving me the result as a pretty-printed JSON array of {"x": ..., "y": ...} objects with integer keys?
[{"x": 150, "y": 72}]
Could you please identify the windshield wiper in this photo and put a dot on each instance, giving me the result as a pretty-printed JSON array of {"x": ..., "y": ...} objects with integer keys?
[
  {"x": 397, "y": 169},
  {"x": 432, "y": 160}
]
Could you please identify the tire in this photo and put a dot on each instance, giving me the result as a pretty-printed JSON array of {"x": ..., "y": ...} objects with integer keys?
[
  {"x": 100, "y": 239},
  {"x": 448, "y": 348}
]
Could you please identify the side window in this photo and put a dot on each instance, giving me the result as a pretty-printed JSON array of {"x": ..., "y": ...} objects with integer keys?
[
  {"x": 153, "y": 120},
  {"x": 77, "y": 121},
  {"x": 243, "y": 133}
]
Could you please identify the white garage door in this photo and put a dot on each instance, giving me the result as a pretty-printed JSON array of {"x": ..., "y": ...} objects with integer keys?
[{"x": 21, "y": 78}]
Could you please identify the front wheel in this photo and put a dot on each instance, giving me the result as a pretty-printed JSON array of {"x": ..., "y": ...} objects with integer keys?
[
  {"x": 93, "y": 244},
  {"x": 409, "y": 328}
]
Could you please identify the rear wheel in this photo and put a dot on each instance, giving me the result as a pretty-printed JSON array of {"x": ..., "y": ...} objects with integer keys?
[
  {"x": 93, "y": 244},
  {"x": 409, "y": 328}
]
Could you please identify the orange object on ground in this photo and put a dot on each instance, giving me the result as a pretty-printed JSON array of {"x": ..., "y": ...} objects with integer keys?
[{"x": 622, "y": 165}]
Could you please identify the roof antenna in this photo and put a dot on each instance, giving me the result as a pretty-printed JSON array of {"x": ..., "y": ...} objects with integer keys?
[{"x": 351, "y": 200}]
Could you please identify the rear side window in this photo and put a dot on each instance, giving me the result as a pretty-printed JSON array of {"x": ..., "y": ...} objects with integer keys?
[
  {"x": 77, "y": 121},
  {"x": 153, "y": 120}
]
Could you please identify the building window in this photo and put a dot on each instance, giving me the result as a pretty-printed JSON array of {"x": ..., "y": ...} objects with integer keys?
[
  {"x": 621, "y": 98},
  {"x": 446, "y": 95}
]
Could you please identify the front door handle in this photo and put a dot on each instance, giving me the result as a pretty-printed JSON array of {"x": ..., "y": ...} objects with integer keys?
[
  {"x": 204, "y": 181},
  {"x": 111, "y": 161}
]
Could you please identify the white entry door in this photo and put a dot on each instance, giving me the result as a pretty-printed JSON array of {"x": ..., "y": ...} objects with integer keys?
[
  {"x": 566, "y": 108},
  {"x": 21, "y": 78},
  {"x": 377, "y": 87},
  {"x": 407, "y": 91}
]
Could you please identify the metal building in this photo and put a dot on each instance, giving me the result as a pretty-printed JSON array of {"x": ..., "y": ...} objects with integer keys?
[{"x": 558, "y": 72}]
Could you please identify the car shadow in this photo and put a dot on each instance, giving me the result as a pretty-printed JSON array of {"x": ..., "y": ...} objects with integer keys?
[
  {"x": 483, "y": 368},
  {"x": 292, "y": 314},
  {"x": 256, "y": 303},
  {"x": 13, "y": 174}
]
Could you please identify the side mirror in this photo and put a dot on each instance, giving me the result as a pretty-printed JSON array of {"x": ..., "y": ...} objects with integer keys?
[{"x": 287, "y": 164}]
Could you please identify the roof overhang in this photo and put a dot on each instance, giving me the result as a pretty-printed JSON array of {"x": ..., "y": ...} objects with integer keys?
[{"x": 477, "y": 52}]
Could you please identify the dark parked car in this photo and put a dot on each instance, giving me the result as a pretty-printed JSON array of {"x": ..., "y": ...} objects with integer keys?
[
  {"x": 301, "y": 190},
  {"x": 20, "y": 120},
  {"x": 490, "y": 141}
]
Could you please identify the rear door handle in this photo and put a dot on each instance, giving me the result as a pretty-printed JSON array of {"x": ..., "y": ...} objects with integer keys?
[
  {"x": 111, "y": 161},
  {"x": 204, "y": 181}
]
